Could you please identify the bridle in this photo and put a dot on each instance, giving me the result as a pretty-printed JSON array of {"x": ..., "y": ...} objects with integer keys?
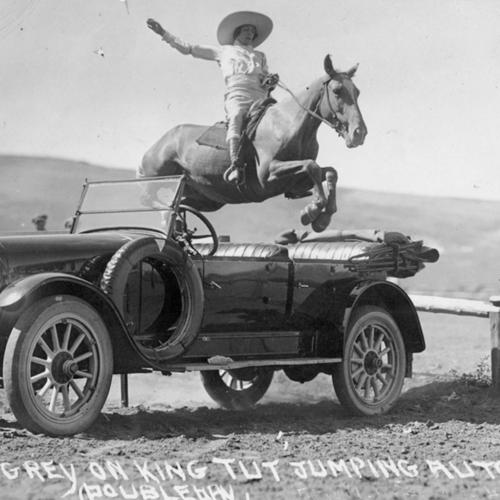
[{"x": 336, "y": 124}]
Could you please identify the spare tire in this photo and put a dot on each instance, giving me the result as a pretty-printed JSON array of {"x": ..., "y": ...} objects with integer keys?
[{"x": 116, "y": 275}]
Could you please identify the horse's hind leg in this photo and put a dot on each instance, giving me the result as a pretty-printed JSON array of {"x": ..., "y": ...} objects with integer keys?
[
  {"x": 330, "y": 184},
  {"x": 150, "y": 189},
  {"x": 159, "y": 160}
]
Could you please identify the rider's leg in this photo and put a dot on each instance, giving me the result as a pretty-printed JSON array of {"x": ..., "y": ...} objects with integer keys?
[
  {"x": 234, "y": 149},
  {"x": 233, "y": 173},
  {"x": 236, "y": 110}
]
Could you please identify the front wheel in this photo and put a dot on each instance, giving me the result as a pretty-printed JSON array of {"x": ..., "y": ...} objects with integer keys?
[
  {"x": 237, "y": 389},
  {"x": 58, "y": 366},
  {"x": 370, "y": 377}
]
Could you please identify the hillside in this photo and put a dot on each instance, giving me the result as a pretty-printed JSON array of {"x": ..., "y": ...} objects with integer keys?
[
  {"x": 31, "y": 186},
  {"x": 467, "y": 232}
]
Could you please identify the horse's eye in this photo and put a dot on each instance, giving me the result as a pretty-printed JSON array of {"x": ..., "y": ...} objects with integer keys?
[{"x": 336, "y": 88}]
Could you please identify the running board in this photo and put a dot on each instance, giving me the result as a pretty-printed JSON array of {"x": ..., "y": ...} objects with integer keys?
[
  {"x": 234, "y": 365},
  {"x": 229, "y": 365}
]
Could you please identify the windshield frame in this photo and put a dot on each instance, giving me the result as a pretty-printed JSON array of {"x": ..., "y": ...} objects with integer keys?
[{"x": 167, "y": 211}]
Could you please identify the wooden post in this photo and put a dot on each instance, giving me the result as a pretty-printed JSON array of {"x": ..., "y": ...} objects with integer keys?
[
  {"x": 124, "y": 389},
  {"x": 476, "y": 308},
  {"x": 495, "y": 347}
]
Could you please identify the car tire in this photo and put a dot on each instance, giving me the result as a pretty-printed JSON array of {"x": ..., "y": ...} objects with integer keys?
[
  {"x": 93, "y": 269},
  {"x": 237, "y": 389},
  {"x": 114, "y": 282},
  {"x": 370, "y": 377},
  {"x": 58, "y": 366}
]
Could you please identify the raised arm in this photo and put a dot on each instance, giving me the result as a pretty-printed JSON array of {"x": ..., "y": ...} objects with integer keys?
[{"x": 199, "y": 51}]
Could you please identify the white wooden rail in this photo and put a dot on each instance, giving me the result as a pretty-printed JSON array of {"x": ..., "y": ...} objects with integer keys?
[{"x": 466, "y": 307}]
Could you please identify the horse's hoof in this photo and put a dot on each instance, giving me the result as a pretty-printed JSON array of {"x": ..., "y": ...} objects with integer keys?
[
  {"x": 305, "y": 220},
  {"x": 321, "y": 223},
  {"x": 310, "y": 213}
]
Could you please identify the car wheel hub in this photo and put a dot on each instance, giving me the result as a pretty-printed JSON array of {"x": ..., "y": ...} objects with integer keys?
[
  {"x": 63, "y": 368},
  {"x": 372, "y": 363}
]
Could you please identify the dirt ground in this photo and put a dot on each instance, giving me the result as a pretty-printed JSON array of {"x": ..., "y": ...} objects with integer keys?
[{"x": 442, "y": 440}]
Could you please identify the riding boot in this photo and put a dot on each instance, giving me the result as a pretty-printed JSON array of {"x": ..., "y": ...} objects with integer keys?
[{"x": 234, "y": 174}]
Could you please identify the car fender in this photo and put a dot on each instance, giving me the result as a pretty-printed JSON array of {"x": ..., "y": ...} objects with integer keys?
[
  {"x": 397, "y": 302},
  {"x": 18, "y": 296}
]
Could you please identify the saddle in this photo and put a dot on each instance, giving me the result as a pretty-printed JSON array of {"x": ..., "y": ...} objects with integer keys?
[{"x": 215, "y": 135}]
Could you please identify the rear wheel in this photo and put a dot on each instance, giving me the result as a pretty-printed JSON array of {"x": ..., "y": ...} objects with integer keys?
[
  {"x": 369, "y": 379},
  {"x": 237, "y": 389},
  {"x": 58, "y": 366}
]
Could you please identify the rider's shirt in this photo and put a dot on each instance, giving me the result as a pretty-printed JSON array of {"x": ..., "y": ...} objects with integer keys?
[{"x": 239, "y": 60}]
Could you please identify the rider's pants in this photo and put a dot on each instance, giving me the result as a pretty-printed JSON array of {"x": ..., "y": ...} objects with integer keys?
[{"x": 242, "y": 92}]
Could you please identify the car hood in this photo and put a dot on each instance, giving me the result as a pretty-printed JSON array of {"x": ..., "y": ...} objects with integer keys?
[{"x": 27, "y": 254}]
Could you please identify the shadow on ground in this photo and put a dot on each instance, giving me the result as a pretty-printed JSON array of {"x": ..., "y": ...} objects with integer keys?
[{"x": 435, "y": 402}]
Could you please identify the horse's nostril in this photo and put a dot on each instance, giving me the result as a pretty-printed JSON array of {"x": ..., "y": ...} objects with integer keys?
[{"x": 359, "y": 132}]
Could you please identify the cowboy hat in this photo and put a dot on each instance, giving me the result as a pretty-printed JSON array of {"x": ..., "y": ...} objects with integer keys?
[{"x": 262, "y": 23}]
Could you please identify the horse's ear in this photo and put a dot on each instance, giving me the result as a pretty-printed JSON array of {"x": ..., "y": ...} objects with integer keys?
[
  {"x": 352, "y": 71},
  {"x": 330, "y": 71}
]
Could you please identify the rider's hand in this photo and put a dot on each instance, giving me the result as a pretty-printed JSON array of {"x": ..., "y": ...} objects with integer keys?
[
  {"x": 156, "y": 27},
  {"x": 274, "y": 78},
  {"x": 270, "y": 81}
]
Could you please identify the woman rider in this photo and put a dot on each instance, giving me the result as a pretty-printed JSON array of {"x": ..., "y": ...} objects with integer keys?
[{"x": 244, "y": 69}]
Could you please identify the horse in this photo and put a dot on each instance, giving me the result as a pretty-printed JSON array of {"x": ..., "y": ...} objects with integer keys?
[{"x": 285, "y": 148}]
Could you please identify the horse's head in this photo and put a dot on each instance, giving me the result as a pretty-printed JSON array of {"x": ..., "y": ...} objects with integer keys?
[{"x": 339, "y": 105}]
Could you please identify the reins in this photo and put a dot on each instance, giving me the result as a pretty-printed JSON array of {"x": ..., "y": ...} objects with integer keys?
[{"x": 336, "y": 125}]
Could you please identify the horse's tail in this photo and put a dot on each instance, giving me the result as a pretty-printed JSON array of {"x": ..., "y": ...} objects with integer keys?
[{"x": 163, "y": 157}]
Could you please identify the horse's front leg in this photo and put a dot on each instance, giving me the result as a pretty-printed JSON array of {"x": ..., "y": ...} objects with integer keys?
[
  {"x": 291, "y": 172},
  {"x": 330, "y": 177}
]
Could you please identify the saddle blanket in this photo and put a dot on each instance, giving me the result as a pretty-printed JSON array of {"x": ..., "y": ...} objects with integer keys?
[{"x": 214, "y": 136}]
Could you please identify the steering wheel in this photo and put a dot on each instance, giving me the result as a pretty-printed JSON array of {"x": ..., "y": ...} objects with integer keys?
[{"x": 183, "y": 233}]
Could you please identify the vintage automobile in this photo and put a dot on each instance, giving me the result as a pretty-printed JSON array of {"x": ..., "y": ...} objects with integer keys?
[{"x": 136, "y": 288}]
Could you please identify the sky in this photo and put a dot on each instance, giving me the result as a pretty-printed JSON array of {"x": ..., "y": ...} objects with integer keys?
[{"x": 86, "y": 80}]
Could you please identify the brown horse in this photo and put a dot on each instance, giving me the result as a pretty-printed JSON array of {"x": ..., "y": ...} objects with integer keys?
[{"x": 285, "y": 150}]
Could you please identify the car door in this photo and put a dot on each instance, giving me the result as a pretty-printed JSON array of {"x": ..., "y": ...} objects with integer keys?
[{"x": 246, "y": 289}]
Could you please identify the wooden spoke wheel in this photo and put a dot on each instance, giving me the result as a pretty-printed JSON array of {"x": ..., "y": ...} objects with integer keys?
[
  {"x": 237, "y": 389},
  {"x": 370, "y": 378},
  {"x": 58, "y": 366}
]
